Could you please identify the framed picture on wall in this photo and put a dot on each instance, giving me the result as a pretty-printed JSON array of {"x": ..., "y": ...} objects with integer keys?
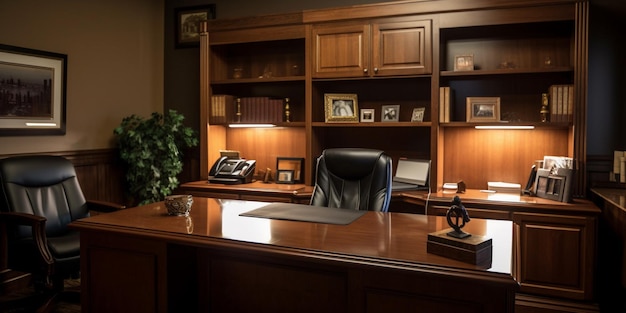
[
  {"x": 188, "y": 24},
  {"x": 33, "y": 91}
]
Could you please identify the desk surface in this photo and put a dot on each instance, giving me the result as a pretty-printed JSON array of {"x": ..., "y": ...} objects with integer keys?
[
  {"x": 616, "y": 196},
  {"x": 379, "y": 237}
]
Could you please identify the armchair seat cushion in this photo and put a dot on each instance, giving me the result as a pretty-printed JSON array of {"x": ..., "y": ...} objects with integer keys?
[{"x": 65, "y": 246}]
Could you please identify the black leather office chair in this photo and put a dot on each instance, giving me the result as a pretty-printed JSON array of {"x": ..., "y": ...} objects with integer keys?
[
  {"x": 39, "y": 196},
  {"x": 353, "y": 178}
]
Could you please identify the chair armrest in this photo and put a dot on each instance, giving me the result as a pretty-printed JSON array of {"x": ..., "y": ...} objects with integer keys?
[
  {"x": 38, "y": 226},
  {"x": 104, "y": 206}
]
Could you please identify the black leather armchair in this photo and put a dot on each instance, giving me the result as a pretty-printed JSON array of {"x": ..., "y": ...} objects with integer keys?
[
  {"x": 39, "y": 196},
  {"x": 353, "y": 178}
]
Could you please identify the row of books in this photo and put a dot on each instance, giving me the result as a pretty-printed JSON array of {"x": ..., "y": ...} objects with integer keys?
[
  {"x": 561, "y": 103},
  {"x": 225, "y": 109}
]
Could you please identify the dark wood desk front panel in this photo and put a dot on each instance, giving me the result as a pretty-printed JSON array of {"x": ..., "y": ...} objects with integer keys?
[{"x": 217, "y": 261}]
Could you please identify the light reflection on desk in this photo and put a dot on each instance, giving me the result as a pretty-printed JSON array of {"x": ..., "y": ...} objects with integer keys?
[{"x": 245, "y": 229}]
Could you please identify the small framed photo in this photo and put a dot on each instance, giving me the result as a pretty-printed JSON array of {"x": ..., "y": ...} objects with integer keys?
[
  {"x": 341, "y": 107},
  {"x": 367, "y": 115},
  {"x": 284, "y": 176},
  {"x": 295, "y": 165},
  {"x": 390, "y": 113},
  {"x": 464, "y": 62},
  {"x": 483, "y": 109},
  {"x": 188, "y": 24},
  {"x": 418, "y": 115}
]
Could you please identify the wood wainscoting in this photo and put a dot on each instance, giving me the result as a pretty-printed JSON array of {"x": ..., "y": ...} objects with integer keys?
[{"x": 101, "y": 172}]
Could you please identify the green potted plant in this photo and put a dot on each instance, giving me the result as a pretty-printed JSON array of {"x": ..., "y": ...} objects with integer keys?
[{"x": 152, "y": 151}]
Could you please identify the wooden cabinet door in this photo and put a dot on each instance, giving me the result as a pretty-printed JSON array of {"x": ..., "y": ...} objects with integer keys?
[
  {"x": 341, "y": 50},
  {"x": 554, "y": 254},
  {"x": 401, "y": 48}
]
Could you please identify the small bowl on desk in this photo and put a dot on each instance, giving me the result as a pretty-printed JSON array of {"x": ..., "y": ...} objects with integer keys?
[{"x": 178, "y": 205}]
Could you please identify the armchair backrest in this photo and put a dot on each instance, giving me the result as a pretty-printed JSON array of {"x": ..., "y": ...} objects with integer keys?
[
  {"x": 353, "y": 178},
  {"x": 42, "y": 185}
]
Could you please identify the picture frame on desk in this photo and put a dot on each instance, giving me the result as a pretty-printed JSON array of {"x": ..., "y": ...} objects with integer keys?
[
  {"x": 296, "y": 165},
  {"x": 341, "y": 108},
  {"x": 188, "y": 21},
  {"x": 33, "y": 84},
  {"x": 284, "y": 176},
  {"x": 483, "y": 109}
]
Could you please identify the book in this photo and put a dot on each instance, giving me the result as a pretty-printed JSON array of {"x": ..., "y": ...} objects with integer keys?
[{"x": 221, "y": 109}]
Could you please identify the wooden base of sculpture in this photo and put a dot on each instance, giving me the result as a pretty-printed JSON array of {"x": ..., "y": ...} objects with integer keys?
[{"x": 473, "y": 249}]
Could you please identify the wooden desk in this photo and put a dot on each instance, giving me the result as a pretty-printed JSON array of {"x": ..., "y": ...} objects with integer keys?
[
  {"x": 611, "y": 247},
  {"x": 141, "y": 260},
  {"x": 555, "y": 245},
  {"x": 256, "y": 191}
]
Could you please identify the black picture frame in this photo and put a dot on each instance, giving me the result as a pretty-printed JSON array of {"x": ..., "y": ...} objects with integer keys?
[
  {"x": 188, "y": 21},
  {"x": 33, "y": 85},
  {"x": 284, "y": 177},
  {"x": 296, "y": 165}
]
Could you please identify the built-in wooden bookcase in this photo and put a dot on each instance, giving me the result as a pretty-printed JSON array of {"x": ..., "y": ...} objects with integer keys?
[
  {"x": 516, "y": 63},
  {"x": 402, "y": 54},
  {"x": 246, "y": 61}
]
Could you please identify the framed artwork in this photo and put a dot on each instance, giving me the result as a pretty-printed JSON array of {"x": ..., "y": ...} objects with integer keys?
[
  {"x": 341, "y": 107},
  {"x": 483, "y": 109},
  {"x": 418, "y": 115},
  {"x": 284, "y": 177},
  {"x": 464, "y": 62},
  {"x": 390, "y": 113},
  {"x": 295, "y": 165},
  {"x": 188, "y": 24},
  {"x": 367, "y": 115},
  {"x": 32, "y": 92}
]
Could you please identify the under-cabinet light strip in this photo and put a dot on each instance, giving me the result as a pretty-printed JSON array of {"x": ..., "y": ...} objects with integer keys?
[
  {"x": 251, "y": 125},
  {"x": 504, "y": 127}
]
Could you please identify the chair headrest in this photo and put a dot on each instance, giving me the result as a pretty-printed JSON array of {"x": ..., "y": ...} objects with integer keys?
[
  {"x": 351, "y": 163},
  {"x": 36, "y": 170}
]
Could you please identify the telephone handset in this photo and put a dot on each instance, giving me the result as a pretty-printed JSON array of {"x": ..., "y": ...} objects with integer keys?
[{"x": 232, "y": 171}]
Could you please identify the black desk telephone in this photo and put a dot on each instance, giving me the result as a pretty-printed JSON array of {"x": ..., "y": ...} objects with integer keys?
[{"x": 232, "y": 171}]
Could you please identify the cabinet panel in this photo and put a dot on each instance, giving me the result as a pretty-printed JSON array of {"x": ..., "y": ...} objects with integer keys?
[
  {"x": 555, "y": 254},
  {"x": 402, "y": 48},
  {"x": 376, "y": 49},
  {"x": 340, "y": 51}
]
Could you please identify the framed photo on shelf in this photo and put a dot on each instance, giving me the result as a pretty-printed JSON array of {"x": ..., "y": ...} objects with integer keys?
[
  {"x": 341, "y": 107},
  {"x": 295, "y": 165},
  {"x": 390, "y": 113},
  {"x": 483, "y": 109},
  {"x": 33, "y": 88},
  {"x": 284, "y": 176},
  {"x": 418, "y": 115},
  {"x": 367, "y": 115},
  {"x": 188, "y": 24},
  {"x": 464, "y": 62}
]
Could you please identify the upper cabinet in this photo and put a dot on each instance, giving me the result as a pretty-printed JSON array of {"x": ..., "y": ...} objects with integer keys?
[{"x": 363, "y": 49}]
